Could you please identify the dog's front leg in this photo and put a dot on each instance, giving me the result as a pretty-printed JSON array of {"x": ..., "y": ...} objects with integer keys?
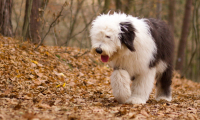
[
  {"x": 141, "y": 87},
  {"x": 120, "y": 82}
]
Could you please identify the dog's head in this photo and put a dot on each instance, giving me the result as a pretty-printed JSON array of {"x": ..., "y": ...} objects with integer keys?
[{"x": 110, "y": 34}]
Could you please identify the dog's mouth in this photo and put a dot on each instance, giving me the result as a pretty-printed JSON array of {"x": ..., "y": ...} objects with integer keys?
[{"x": 104, "y": 58}]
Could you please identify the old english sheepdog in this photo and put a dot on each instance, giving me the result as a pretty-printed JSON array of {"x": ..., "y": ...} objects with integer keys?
[{"x": 139, "y": 51}]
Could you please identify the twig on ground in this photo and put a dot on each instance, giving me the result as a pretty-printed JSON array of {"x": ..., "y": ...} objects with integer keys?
[{"x": 78, "y": 55}]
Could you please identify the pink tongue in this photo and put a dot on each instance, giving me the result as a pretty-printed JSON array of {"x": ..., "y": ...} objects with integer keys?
[{"x": 104, "y": 58}]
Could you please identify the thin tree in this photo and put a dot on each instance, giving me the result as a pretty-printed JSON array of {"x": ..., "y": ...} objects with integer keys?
[
  {"x": 118, "y": 5},
  {"x": 159, "y": 9},
  {"x": 26, "y": 19},
  {"x": 35, "y": 21},
  {"x": 172, "y": 7},
  {"x": 106, "y": 6},
  {"x": 128, "y": 6},
  {"x": 184, "y": 36},
  {"x": 32, "y": 20},
  {"x": 5, "y": 17}
]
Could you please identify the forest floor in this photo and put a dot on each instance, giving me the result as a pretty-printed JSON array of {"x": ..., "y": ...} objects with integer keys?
[{"x": 69, "y": 83}]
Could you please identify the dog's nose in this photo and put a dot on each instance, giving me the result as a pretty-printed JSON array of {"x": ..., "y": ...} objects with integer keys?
[{"x": 99, "y": 50}]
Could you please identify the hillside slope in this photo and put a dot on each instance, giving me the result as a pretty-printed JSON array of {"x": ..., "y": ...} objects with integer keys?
[{"x": 69, "y": 83}]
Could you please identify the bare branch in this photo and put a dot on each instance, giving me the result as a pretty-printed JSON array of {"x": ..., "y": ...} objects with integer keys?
[
  {"x": 73, "y": 21},
  {"x": 55, "y": 37},
  {"x": 43, "y": 8},
  {"x": 52, "y": 25},
  {"x": 18, "y": 18},
  {"x": 86, "y": 26}
]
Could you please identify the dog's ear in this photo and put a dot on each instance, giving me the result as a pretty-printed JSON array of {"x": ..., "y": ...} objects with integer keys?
[{"x": 128, "y": 35}]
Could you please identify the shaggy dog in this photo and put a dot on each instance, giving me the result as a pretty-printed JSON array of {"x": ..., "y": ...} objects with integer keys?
[{"x": 139, "y": 51}]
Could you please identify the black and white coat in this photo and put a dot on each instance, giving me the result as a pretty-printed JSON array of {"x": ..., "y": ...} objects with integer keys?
[{"x": 139, "y": 50}]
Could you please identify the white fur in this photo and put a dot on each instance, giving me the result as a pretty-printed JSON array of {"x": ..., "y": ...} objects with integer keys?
[
  {"x": 128, "y": 63},
  {"x": 161, "y": 67},
  {"x": 120, "y": 82},
  {"x": 142, "y": 86}
]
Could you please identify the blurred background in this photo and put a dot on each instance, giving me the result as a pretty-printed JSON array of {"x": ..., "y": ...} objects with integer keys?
[{"x": 68, "y": 23}]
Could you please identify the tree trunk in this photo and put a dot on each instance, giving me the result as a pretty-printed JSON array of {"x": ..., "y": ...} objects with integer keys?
[
  {"x": 172, "y": 4},
  {"x": 5, "y": 17},
  {"x": 32, "y": 15},
  {"x": 184, "y": 35},
  {"x": 129, "y": 5},
  {"x": 106, "y": 6},
  {"x": 35, "y": 21},
  {"x": 44, "y": 4},
  {"x": 118, "y": 4},
  {"x": 159, "y": 9},
  {"x": 26, "y": 19}
]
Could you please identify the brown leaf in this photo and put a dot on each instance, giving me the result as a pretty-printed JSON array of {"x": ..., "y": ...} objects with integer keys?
[
  {"x": 143, "y": 112},
  {"x": 17, "y": 107},
  {"x": 29, "y": 116},
  {"x": 44, "y": 106}
]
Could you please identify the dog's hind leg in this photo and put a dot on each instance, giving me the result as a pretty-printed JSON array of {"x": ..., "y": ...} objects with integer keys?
[
  {"x": 141, "y": 87},
  {"x": 120, "y": 82},
  {"x": 163, "y": 89}
]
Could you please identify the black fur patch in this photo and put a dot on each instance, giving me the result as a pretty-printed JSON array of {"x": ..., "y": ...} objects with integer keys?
[
  {"x": 133, "y": 78},
  {"x": 128, "y": 35},
  {"x": 163, "y": 38},
  {"x": 165, "y": 82}
]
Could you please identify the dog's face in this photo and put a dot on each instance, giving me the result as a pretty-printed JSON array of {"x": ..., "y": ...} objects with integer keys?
[{"x": 110, "y": 34}]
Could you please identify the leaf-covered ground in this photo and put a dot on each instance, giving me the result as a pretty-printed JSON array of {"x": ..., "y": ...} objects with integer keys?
[{"x": 69, "y": 83}]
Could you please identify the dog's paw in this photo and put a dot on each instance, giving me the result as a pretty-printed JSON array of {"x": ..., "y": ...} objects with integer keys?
[
  {"x": 135, "y": 100},
  {"x": 163, "y": 98},
  {"x": 121, "y": 98}
]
